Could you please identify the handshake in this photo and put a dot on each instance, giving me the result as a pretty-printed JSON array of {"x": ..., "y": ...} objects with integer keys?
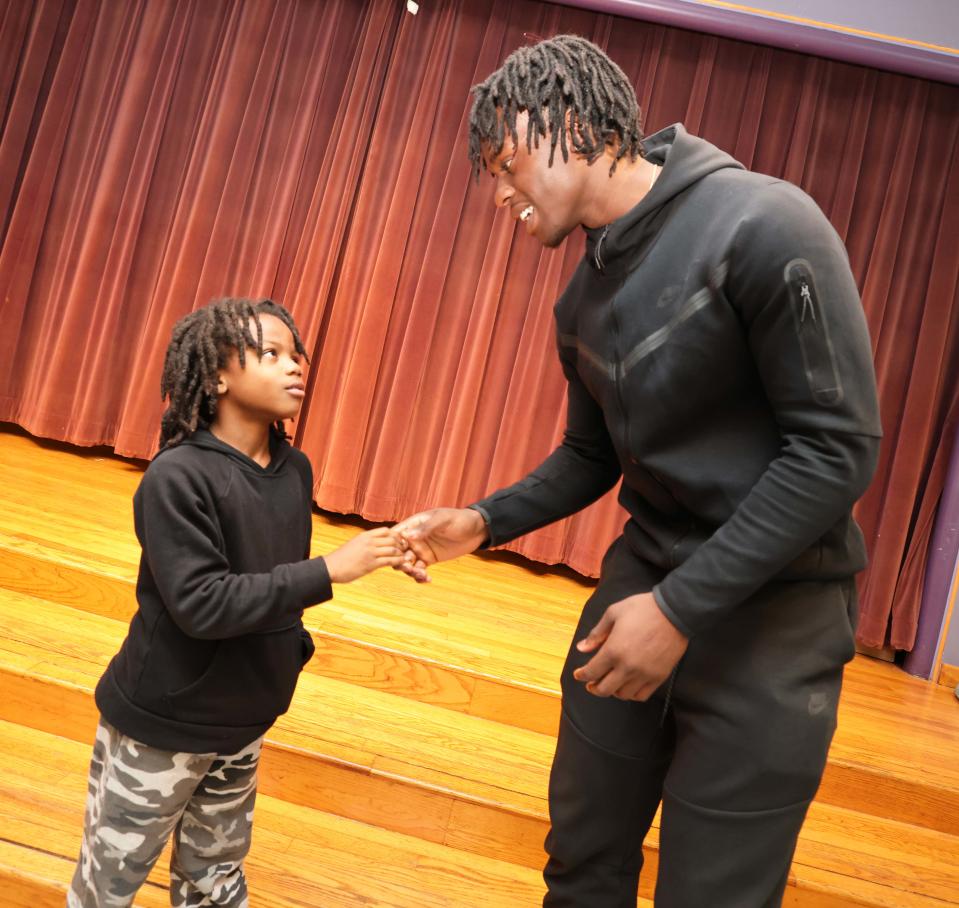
[
  {"x": 410, "y": 546},
  {"x": 634, "y": 647}
]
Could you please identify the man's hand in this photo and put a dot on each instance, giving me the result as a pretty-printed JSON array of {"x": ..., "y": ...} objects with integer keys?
[
  {"x": 637, "y": 647},
  {"x": 439, "y": 535}
]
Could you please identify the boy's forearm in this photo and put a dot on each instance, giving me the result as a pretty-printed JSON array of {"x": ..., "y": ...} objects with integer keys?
[{"x": 230, "y": 605}]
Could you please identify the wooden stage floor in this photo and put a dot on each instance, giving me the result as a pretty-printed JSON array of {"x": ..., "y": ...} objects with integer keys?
[{"x": 412, "y": 767}]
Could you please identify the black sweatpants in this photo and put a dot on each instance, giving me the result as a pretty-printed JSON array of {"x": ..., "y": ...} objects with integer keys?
[{"x": 734, "y": 746}]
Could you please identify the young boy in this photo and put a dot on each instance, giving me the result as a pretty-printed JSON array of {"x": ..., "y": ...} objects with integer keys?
[{"x": 214, "y": 651}]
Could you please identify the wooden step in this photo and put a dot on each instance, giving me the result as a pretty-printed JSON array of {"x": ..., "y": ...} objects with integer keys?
[
  {"x": 32, "y": 877},
  {"x": 391, "y": 662},
  {"x": 392, "y": 763},
  {"x": 439, "y": 775},
  {"x": 486, "y": 639},
  {"x": 300, "y": 856},
  {"x": 390, "y": 626}
]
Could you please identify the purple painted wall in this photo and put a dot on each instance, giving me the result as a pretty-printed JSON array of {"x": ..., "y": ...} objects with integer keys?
[
  {"x": 911, "y": 60},
  {"x": 940, "y": 567},
  {"x": 950, "y": 653},
  {"x": 932, "y": 21}
]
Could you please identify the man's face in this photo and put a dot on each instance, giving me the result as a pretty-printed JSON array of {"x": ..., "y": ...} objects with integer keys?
[
  {"x": 549, "y": 200},
  {"x": 267, "y": 387}
]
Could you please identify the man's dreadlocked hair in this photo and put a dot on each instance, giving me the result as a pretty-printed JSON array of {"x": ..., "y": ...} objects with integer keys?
[
  {"x": 562, "y": 74},
  {"x": 200, "y": 346}
]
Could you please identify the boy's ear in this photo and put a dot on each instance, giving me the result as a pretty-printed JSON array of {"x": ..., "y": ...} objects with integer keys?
[{"x": 220, "y": 384}]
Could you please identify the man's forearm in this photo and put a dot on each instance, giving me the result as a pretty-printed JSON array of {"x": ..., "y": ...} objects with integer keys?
[
  {"x": 566, "y": 482},
  {"x": 804, "y": 493}
]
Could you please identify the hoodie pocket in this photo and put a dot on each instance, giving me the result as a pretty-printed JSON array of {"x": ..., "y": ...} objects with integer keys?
[
  {"x": 250, "y": 680},
  {"x": 307, "y": 646},
  {"x": 809, "y": 319}
]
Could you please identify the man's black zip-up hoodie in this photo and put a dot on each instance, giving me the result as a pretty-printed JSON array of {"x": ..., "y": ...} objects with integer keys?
[
  {"x": 718, "y": 359},
  {"x": 214, "y": 651}
]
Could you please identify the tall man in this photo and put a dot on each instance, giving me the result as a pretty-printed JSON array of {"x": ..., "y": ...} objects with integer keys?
[{"x": 718, "y": 360}]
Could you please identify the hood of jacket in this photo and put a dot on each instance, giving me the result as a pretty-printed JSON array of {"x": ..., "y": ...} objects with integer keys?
[{"x": 685, "y": 161}]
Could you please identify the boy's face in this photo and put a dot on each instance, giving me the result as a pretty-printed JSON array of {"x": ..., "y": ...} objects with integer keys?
[
  {"x": 268, "y": 387},
  {"x": 548, "y": 199}
]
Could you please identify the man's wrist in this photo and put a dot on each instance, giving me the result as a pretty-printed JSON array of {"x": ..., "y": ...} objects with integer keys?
[
  {"x": 481, "y": 520},
  {"x": 669, "y": 613}
]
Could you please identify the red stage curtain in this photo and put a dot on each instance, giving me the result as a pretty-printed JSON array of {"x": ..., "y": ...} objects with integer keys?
[{"x": 156, "y": 154}]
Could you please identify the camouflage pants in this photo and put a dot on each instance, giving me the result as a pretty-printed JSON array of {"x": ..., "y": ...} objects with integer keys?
[{"x": 139, "y": 796}]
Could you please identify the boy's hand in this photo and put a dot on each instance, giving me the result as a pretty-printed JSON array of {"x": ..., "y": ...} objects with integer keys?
[{"x": 365, "y": 553}]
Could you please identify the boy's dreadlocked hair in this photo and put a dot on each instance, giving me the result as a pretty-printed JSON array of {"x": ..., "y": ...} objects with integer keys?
[
  {"x": 562, "y": 74},
  {"x": 201, "y": 345}
]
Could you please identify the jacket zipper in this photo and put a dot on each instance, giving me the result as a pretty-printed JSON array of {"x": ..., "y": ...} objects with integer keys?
[
  {"x": 618, "y": 377},
  {"x": 617, "y": 381},
  {"x": 598, "y": 251},
  {"x": 807, "y": 304},
  {"x": 617, "y": 359}
]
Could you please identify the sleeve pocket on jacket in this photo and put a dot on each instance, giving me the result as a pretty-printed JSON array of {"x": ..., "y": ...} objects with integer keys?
[{"x": 812, "y": 330}]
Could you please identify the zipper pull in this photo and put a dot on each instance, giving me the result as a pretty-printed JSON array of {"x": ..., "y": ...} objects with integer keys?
[
  {"x": 598, "y": 251},
  {"x": 806, "y": 303}
]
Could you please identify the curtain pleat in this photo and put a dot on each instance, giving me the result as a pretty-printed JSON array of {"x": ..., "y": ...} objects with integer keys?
[{"x": 155, "y": 154}]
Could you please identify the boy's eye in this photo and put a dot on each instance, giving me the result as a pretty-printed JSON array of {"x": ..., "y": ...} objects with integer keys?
[
  {"x": 269, "y": 353},
  {"x": 507, "y": 165}
]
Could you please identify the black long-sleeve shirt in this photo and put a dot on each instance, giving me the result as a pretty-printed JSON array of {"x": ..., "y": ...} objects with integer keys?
[
  {"x": 217, "y": 644},
  {"x": 718, "y": 359}
]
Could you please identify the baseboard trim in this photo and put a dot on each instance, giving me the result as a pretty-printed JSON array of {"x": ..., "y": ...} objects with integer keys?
[
  {"x": 949, "y": 675},
  {"x": 885, "y": 653}
]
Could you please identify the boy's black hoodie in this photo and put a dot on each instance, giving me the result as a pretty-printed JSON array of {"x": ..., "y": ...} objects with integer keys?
[
  {"x": 214, "y": 651},
  {"x": 718, "y": 359}
]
